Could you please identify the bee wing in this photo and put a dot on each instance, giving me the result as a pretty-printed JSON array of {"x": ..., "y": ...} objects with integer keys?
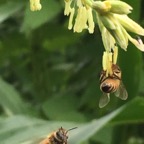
[
  {"x": 45, "y": 141},
  {"x": 104, "y": 100},
  {"x": 121, "y": 92}
]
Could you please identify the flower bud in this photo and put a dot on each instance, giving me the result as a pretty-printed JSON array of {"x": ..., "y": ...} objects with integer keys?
[
  {"x": 119, "y": 7},
  {"x": 107, "y": 38},
  {"x": 130, "y": 25},
  {"x": 101, "y": 7},
  {"x": 108, "y": 21},
  {"x": 120, "y": 36}
]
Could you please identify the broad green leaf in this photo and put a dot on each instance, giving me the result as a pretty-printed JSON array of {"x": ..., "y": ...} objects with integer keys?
[
  {"x": 9, "y": 8},
  {"x": 19, "y": 129},
  {"x": 63, "y": 108},
  {"x": 131, "y": 61},
  {"x": 33, "y": 20},
  {"x": 10, "y": 99},
  {"x": 31, "y": 129},
  {"x": 131, "y": 65},
  {"x": 133, "y": 112}
]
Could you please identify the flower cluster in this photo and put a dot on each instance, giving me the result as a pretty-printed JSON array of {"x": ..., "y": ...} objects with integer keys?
[
  {"x": 115, "y": 23},
  {"x": 84, "y": 16},
  {"x": 112, "y": 19}
]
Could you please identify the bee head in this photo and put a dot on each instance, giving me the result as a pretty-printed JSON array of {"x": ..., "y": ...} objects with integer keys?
[{"x": 62, "y": 134}]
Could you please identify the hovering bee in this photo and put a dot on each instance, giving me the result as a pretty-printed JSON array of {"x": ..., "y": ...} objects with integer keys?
[
  {"x": 112, "y": 84},
  {"x": 57, "y": 137}
]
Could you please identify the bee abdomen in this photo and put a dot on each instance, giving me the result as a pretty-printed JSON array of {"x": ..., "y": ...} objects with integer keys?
[{"x": 108, "y": 88}]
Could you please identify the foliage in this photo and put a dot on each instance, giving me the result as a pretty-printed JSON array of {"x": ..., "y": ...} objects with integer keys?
[{"x": 50, "y": 78}]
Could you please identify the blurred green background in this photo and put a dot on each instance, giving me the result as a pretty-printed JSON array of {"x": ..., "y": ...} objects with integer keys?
[{"x": 50, "y": 78}]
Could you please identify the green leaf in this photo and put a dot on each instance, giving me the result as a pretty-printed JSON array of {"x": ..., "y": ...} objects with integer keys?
[
  {"x": 31, "y": 129},
  {"x": 10, "y": 99},
  {"x": 131, "y": 65},
  {"x": 9, "y": 8},
  {"x": 33, "y": 20},
  {"x": 19, "y": 129},
  {"x": 133, "y": 112},
  {"x": 63, "y": 108}
]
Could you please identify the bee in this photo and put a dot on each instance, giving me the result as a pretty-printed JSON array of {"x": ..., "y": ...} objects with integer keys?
[
  {"x": 57, "y": 137},
  {"x": 112, "y": 84}
]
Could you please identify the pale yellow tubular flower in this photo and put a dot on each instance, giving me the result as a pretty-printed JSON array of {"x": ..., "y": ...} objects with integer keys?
[
  {"x": 101, "y": 7},
  {"x": 119, "y": 7},
  {"x": 84, "y": 18},
  {"x": 108, "y": 21},
  {"x": 107, "y": 38},
  {"x": 79, "y": 3},
  {"x": 77, "y": 21},
  {"x": 109, "y": 63},
  {"x": 130, "y": 25},
  {"x": 115, "y": 54},
  {"x": 125, "y": 35},
  {"x": 67, "y": 9},
  {"x": 70, "y": 25},
  {"x": 137, "y": 42},
  {"x": 104, "y": 61},
  {"x": 35, "y": 5},
  {"x": 115, "y": 29},
  {"x": 81, "y": 20},
  {"x": 120, "y": 36},
  {"x": 91, "y": 23}
]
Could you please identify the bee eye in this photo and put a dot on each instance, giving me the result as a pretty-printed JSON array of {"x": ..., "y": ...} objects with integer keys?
[
  {"x": 59, "y": 135},
  {"x": 117, "y": 72}
]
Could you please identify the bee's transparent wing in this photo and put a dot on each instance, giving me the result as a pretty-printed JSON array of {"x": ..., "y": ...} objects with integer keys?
[
  {"x": 121, "y": 92},
  {"x": 35, "y": 141},
  {"x": 104, "y": 100}
]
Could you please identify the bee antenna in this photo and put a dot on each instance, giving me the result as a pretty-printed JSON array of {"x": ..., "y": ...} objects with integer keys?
[{"x": 71, "y": 129}]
